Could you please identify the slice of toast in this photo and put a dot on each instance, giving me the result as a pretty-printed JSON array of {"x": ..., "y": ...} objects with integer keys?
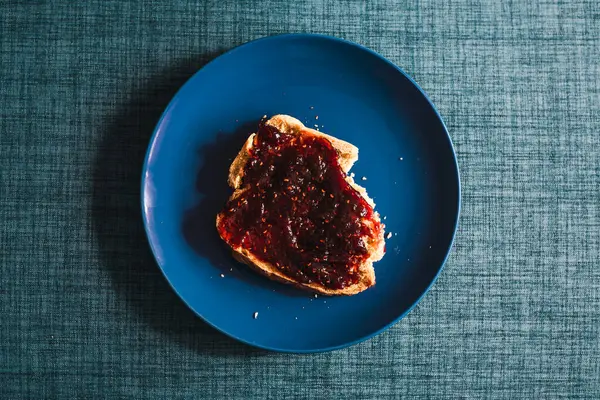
[{"x": 347, "y": 154}]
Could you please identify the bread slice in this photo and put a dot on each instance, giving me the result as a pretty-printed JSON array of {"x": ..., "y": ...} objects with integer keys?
[{"x": 347, "y": 156}]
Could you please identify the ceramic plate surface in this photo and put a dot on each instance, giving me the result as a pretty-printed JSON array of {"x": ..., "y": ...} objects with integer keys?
[{"x": 358, "y": 96}]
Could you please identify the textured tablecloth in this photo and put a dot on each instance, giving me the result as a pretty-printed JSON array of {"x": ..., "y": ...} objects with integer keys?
[{"x": 84, "y": 310}]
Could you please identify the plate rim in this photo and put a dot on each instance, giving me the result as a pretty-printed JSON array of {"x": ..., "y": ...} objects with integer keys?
[{"x": 152, "y": 143}]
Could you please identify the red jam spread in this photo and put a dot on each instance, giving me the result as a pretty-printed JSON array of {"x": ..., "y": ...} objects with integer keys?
[{"x": 298, "y": 212}]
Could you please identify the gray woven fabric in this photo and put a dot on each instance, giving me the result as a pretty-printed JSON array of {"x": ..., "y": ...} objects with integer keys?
[{"x": 84, "y": 311}]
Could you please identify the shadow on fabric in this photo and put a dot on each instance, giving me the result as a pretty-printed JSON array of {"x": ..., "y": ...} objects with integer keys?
[{"x": 118, "y": 225}]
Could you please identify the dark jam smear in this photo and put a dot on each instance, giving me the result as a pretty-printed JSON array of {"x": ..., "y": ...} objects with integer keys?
[{"x": 298, "y": 212}]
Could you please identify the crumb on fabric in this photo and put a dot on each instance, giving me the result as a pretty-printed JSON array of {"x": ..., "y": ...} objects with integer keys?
[
  {"x": 364, "y": 178},
  {"x": 222, "y": 275},
  {"x": 389, "y": 235},
  {"x": 255, "y": 314}
]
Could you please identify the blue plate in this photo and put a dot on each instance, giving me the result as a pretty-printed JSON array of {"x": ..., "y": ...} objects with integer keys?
[{"x": 405, "y": 154}]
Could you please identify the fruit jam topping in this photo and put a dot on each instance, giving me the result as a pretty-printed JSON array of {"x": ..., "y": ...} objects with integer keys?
[{"x": 298, "y": 212}]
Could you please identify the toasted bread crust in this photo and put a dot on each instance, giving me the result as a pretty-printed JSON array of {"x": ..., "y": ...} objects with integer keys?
[{"x": 348, "y": 154}]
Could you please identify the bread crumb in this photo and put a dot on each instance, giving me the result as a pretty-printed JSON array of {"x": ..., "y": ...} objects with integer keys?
[
  {"x": 230, "y": 269},
  {"x": 389, "y": 235},
  {"x": 401, "y": 158},
  {"x": 395, "y": 233},
  {"x": 222, "y": 276},
  {"x": 312, "y": 108},
  {"x": 316, "y": 117},
  {"x": 364, "y": 178},
  {"x": 316, "y": 126},
  {"x": 352, "y": 175},
  {"x": 296, "y": 317},
  {"x": 255, "y": 314},
  {"x": 316, "y": 296},
  {"x": 384, "y": 217},
  {"x": 429, "y": 246}
]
